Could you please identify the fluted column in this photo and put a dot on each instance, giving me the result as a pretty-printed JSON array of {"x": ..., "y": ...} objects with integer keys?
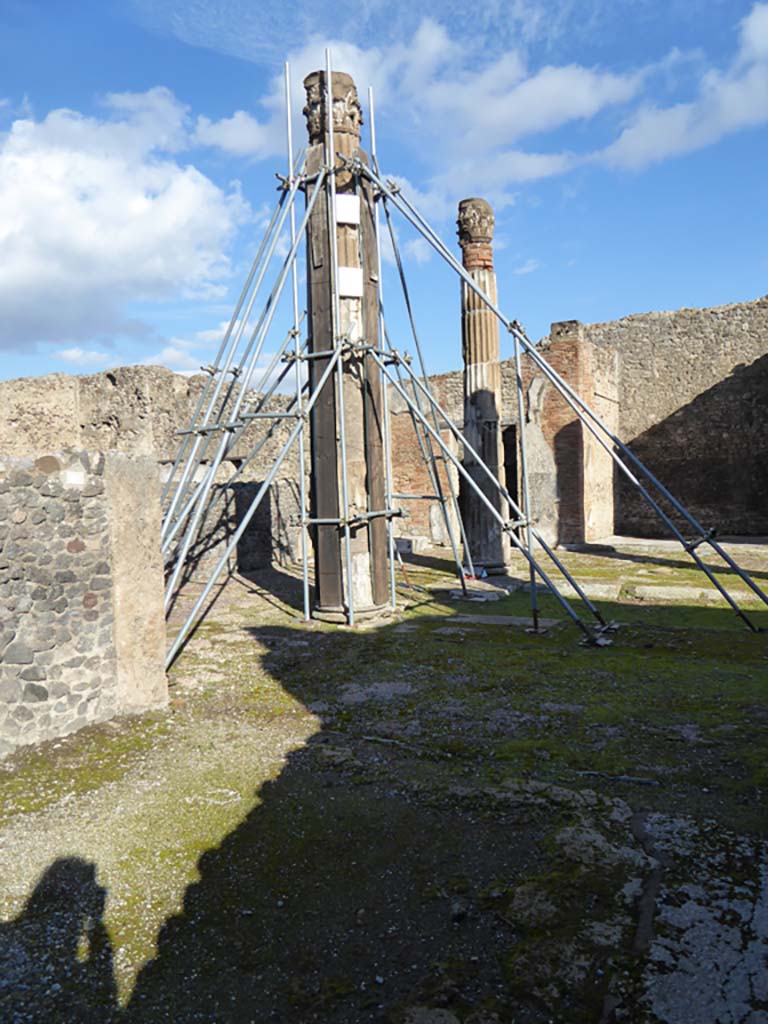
[
  {"x": 361, "y": 378},
  {"x": 488, "y": 544}
]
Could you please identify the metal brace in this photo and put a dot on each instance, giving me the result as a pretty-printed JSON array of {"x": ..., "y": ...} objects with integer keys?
[
  {"x": 692, "y": 544},
  {"x": 599, "y": 636}
]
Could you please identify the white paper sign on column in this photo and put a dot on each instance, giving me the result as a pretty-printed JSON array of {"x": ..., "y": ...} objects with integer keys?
[
  {"x": 347, "y": 209},
  {"x": 350, "y": 283}
]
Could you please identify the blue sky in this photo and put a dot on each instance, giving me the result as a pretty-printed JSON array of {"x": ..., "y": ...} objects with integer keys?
[{"x": 623, "y": 144}]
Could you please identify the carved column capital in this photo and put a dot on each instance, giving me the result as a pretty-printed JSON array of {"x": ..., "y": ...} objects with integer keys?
[
  {"x": 347, "y": 112},
  {"x": 475, "y": 223}
]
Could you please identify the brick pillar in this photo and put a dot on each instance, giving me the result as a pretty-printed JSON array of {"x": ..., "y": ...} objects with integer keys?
[
  {"x": 488, "y": 544},
  {"x": 572, "y": 478},
  {"x": 357, "y": 288}
]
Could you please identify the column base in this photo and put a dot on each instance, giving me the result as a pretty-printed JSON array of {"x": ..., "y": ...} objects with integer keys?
[
  {"x": 493, "y": 569},
  {"x": 339, "y": 616}
]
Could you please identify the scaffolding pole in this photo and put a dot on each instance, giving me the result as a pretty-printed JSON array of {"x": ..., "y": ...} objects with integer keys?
[
  {"x": 585, "y": 414},
  {"x": 220, "y": 408},
  {"x": 196, "y": 516}
]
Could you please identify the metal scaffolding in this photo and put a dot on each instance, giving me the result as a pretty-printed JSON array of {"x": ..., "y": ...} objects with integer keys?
[{"x": 241, "y": 399}]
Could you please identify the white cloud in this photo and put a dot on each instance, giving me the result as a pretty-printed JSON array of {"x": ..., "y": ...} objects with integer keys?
[
  {"x": 754, "y": 35},
  {"x": 266, "y": 31},
  {"x": 82, "y": 357},
  {"x": 96, "y": 213},
  {"x": 177, "y": 355},
  {"x": 528, "y": 267},
  {"x": 188, "y": 355},
  {"x": 449, "y": 105},
  {"x": 727, "y": 102},
  {"x": 419, "y": 250},
  {"x": 241, "y": 135},
  {"x": 504, "y": 104}
]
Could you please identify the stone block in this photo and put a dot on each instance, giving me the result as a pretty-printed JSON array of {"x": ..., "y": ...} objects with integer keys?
[
  {"x": 18, "y": 653},
  {"x": 10, "y": 691},
  {"x": 33, "y": 674},
  {"x": 34, "y": 692}
]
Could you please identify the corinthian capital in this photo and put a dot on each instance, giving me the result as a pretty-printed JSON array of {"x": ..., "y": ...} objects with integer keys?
[
  {"x": 347, "y": 113},
  {"x": 475, "y": 222}
]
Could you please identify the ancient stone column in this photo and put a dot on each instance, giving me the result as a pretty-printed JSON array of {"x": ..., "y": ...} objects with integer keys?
[
  {"x": 488, "y": 544},
  {"x": 358, "y": 301}
]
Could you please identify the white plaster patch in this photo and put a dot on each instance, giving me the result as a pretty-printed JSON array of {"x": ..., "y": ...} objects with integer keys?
[{"x": 73, "y": 477}]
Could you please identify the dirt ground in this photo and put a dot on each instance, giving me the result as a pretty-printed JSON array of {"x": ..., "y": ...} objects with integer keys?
[{"x": 441, "y": 818}]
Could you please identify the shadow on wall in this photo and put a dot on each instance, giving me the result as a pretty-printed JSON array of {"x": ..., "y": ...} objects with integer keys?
[
  {"x": 569, "y": 476},
  {"x": 509, "y": 441},
  {"x": 487, "y": 542},
  {"x": 254, "y": 549},
  {"x": 712, "y": 454}
]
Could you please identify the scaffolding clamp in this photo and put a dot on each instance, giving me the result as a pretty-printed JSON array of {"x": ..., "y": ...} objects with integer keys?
[
  {"x": 515, "y": 327},
  {"x": 703, "y": 538},
  {"x": 601, "y": 636},
  {"x": 360, "y": 518}
]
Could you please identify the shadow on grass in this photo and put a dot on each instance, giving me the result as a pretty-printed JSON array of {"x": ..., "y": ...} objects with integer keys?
[
  {"x": 56, "y": 960},
  {"x": 377, "y": 872},
  {"x": 656, "y": 558}
]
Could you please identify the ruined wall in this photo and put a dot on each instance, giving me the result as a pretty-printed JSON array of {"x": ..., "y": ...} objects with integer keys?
[
  {"x": 81, "y": 622},
  {"x": 424, "y": 521},
  {"x": 687, "y": 389},
  {"x": 692, "y": 401},
  {"x": 570, "y": 475},
  {"x": 140, "y": 410}
]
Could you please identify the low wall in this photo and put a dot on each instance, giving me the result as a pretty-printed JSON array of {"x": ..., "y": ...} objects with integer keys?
[{"x": 82, "y": 634}]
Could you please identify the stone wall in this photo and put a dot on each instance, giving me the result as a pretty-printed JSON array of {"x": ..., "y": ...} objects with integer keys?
[
  {"x": 140, "y": 410},
  {"x": 694, "y": 407},
  {"x": 82, "y": 633},
  {"x": 686, "y": 389}
]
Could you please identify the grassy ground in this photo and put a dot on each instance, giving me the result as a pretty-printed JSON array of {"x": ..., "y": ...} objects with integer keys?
[{"x": 442, "y": 817}]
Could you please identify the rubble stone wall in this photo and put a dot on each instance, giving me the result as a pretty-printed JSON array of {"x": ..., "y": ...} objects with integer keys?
[
  {"x": 139, "y": 410},
  {"x": 693, "y": 404},
  {"x": 686, "y": 389},
  {"x": 81, "y": 598}
]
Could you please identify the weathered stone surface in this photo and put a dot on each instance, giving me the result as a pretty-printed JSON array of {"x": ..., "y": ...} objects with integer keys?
[
  {"x": 53, "y": 585},
  {"x": 40, "y": 414},
  {"x": 134, "y": 496},
  {"x": 18, "y": 654},
  {"x": 347, "y": 112},
  {"x": 692, "y": 404}
]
